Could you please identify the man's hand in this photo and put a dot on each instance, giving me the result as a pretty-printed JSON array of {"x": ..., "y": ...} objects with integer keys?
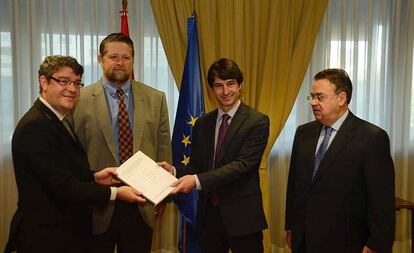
[
  {"x": 184, "y": 184},
  {"x": 289, "y": 238},
  {"x": 160, "y": 209},
  {"x": 166, "y": 167},
  {"x": 129, "y": 194},
  {"x": 106, "y": 176},
  {"x": 368, "y": 250}
]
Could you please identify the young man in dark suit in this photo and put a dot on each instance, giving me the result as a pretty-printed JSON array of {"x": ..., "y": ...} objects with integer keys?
[
  {"x": 53, "y": 178},
  {"x": 340, "y": 195},
  {"x": 227, "y": 147}
]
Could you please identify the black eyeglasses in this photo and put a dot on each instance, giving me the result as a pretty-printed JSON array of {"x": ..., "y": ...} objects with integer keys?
[{"x": 66, "y": 83}]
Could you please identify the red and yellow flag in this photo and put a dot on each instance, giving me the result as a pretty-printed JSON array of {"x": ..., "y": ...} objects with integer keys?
[{"x": 124, "y": 23}]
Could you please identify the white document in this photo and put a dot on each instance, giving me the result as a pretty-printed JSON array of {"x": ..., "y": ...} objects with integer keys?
[{"x": 143, "y": 174}]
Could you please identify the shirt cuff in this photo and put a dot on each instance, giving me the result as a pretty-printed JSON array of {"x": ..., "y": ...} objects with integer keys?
[
  {"x": 198, "y": 185},
  {"x": 113, "y": 193}
]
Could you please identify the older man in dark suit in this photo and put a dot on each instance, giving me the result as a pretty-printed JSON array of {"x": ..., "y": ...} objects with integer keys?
[
  {"x": 227, "y": 147},
  {"x": 52, "y": 172},
  {"x": 340, "y": 195}
]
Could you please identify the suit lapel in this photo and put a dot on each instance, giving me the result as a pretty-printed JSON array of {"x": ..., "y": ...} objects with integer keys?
[
  {"x": 311, "y": 141},
  {"x": 58, "y": 123},
  {"x": 341, "y": 140},
  {"x": 103, "y": 117},
  {"x": 210, "y": 129},
  {"x": 139, "y": 111}
]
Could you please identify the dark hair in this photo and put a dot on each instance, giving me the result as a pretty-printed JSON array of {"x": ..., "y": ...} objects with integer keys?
[
  {"x": 52, "y": 64},
  {"x": 339, "y": 78},
  {"x": 224, "y": 69},
  {"x": 115, "y": 37}
]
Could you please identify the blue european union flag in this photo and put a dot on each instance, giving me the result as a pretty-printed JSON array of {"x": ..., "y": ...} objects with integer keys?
[{"x": 190, "y": 108}]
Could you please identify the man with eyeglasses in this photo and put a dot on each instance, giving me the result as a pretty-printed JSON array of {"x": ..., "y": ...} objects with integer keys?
[
  {"x": 115, "y": 118},
  {"x": 54, "y": 182},
  {"x": 340, "y": 195}
]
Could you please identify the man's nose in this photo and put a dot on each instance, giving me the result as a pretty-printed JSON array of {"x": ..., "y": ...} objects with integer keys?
[
  {"x": 72, "y": 87},
  {"x": 225, "y": 89}
]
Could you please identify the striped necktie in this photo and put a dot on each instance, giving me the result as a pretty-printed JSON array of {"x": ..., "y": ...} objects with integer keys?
[{"x": 68, "y": 127}]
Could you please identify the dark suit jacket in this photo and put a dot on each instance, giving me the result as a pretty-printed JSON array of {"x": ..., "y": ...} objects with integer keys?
[
  {"x": 236, "y": 178},
  {"x": 350, "y": 202},
  {"x": 54, "y": 186}
]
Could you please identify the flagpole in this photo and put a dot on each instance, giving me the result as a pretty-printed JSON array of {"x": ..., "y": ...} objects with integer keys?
[
  {"x": 124, "y": 23},
  {"x": 124, "y": 17},
  {"x": 184, "y": 244}
]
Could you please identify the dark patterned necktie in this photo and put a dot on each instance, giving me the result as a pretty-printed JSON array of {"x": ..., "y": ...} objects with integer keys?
[
  {"x": 125, "y": 140},
  {"x": 222, "y": 133},
  {"x": 322, "y": 149}
]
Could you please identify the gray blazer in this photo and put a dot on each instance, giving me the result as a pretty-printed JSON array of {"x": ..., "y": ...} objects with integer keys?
[{"x": 92, "y": 124}]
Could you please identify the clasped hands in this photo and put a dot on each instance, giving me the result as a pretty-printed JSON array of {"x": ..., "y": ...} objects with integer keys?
[{"x": 184, "y": 184}]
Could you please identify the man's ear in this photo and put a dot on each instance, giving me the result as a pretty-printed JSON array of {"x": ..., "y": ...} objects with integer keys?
[
  {"x": 44, "y": 83},
  {"x": 342, "y": 98},
  {"x": 100, "y": 59}
]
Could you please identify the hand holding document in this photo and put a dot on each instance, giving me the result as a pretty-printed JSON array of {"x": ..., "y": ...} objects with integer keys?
[{"x": 143, "y": 174}]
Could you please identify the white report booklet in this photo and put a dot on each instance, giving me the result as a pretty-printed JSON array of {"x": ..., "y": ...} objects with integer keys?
[{"x": 143, "y": 174}]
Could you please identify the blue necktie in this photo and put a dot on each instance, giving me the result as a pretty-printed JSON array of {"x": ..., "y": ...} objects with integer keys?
[{"x": 322, "y": 149}]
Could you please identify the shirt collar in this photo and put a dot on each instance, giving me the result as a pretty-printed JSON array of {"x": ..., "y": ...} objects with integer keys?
[
  {"x": 339, "y": 122},
  {"x": 231, "y": 112},
  {"x": 58, "y": 114},
  {"x": 111, "y": 88}
]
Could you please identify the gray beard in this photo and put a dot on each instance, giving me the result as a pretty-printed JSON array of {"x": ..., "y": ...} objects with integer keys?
[{"x": 117, "y": 78}]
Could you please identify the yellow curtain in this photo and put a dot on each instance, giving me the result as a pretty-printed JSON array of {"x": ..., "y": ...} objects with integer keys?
[{"x": 271, "y": 40}]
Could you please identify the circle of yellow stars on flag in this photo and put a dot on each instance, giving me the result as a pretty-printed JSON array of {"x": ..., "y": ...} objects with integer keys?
[{"x": 186, "y": 140}]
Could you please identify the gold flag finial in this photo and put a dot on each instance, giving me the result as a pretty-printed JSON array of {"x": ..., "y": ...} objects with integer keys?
[{"x": 124, "y": 5}]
